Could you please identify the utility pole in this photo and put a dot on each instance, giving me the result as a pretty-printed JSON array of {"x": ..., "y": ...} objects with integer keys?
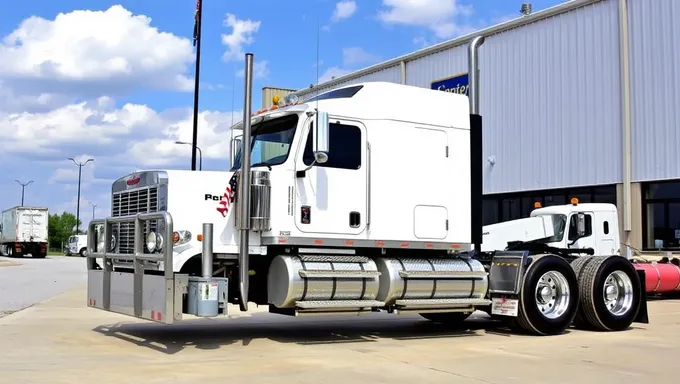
[
  {"x": 23, "y": 186},
  {"x": 80, "y": 174},
  {"x": 93, "y": 207},
  {"x": 198, "y": 16},
  {"x": 200, "y": 154}
]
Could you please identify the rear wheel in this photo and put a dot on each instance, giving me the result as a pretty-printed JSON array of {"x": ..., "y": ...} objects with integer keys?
[
  {"x": 549, "y": 298},
  {"x": 448, "y": 318},
  {"x": 610, "y": 293}
]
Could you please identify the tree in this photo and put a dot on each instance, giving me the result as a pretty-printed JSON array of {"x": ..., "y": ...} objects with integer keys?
[{"x": 60, "y": 228}]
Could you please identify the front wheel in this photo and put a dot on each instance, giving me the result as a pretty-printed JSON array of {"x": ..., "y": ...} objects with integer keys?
[
  {"x": 610, "y": 293},
  {"x": 549, "y": 298}
]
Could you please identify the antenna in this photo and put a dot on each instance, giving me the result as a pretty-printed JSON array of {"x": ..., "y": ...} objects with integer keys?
[
  {"x": 318, "y": 39},
  {"x": 233, "y": 92}
]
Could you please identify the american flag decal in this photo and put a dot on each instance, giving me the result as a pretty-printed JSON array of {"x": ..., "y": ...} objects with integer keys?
[{"x": 228, "y": 196}]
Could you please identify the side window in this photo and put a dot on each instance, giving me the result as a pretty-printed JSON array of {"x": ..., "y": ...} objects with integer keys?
[
  {"x": 573, "y": 226},
  {"x": 345, "y": 147},
  {"x": 606, "y": 227}
]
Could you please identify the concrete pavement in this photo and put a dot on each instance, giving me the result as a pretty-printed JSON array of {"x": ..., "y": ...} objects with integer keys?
[{"x": 62, "y": 341}]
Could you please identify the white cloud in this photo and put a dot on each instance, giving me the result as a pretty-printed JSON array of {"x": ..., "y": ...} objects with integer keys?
[
  {"x": 61, "y": 82},
  {"x": 356, "y": 55},
  {"x": 344, "y": 10},
  {"x": 437, "y": 15},
  {"x": 94, "y": 123},
  {"x": 333, "y": 72},
  {"x": 93, "y": 53},
  {"x": 242, "y": 32},
  {"x": 351, "y": 57},
  {"x": 260, "y": 70}
]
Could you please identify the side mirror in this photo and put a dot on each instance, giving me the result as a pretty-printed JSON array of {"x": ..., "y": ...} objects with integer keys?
[
  {"x": 581, "y": 224},
  {"x": 321, "y": 145},
  {"x": 235, "y": 147}
]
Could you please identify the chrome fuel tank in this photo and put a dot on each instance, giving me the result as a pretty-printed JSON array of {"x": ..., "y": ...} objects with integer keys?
[
  {"x": 294, "y": 279},
  {"x": 411, "y": 278}
]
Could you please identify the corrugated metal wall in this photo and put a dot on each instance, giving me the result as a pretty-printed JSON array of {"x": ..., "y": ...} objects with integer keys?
[
  {"x": 391, "y": 74},
  {"x": 269, "y": 92},
  {"x": 550, "y": 97},
  {"x": 655, "y": 88}
]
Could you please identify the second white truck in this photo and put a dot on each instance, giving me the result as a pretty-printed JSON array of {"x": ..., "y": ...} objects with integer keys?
[
  {"x": 24, "y": 230},
  {"x": 366, "y": 198}
]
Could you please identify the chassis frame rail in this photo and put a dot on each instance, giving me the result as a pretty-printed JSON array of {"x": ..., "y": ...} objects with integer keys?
[{"x": 140, "y": 294}]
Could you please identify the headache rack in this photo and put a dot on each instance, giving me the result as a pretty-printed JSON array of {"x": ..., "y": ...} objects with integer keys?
[{"x": 151, "y": 295}]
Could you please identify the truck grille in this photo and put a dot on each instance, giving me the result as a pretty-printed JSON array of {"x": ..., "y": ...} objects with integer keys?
[{"x": 129, "y": 203}]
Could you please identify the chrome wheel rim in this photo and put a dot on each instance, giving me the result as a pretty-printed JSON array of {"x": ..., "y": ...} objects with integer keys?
[
  {"x": 617, "y": 292},
  {"x": 552, "y": 294}
]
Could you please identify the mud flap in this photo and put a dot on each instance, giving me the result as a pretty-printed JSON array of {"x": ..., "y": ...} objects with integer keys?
[{"x": 642, "y": 315}]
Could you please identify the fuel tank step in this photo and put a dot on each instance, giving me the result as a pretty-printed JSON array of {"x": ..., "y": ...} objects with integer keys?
[
  {"x": 421, "y": 304},
  {"x": 326, "y": 274},
  {"x": 339, "y": 304},
  {"x": 441, "y": 275}
]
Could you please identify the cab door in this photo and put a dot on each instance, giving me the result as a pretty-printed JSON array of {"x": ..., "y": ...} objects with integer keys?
[
  {"x": 331, "y": 198},
  {"x": 589, "y": 240}
]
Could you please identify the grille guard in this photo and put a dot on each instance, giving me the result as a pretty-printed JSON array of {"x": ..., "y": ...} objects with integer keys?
[{"x": 140, "y": 294}]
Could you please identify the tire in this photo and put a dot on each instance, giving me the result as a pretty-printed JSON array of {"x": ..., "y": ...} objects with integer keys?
[
  {"x": 549, "y": 299},
  {"x": 82, "y": 252},
  {"x": 448, "y": 318},
  {"x": 613, "y": 278},
  {"x": 577, "y": 265}
]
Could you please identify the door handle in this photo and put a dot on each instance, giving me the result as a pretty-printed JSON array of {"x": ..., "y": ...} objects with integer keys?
[{"x": 354, "y": 219}]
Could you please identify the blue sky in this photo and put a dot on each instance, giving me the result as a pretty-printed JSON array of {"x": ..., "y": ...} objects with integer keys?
[{"x": 112, "y": 80}]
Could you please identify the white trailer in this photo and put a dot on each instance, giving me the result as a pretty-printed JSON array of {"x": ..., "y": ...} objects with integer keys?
[
  {"x": 23, "y": 230},
  {"x": 363, "y": 199}
]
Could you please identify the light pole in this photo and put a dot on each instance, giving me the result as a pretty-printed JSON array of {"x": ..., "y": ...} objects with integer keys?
[
  {"x": 200, "y": 154},
  {"x": 93, "y": 207},
  {"x": 80, "y": 174},
  {"x": 23, "y": 185}
]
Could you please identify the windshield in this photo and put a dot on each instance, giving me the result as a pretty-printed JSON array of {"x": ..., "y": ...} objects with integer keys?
[
  {"x": 270, "y": 142},
  {"x": 559, "y": 226}
]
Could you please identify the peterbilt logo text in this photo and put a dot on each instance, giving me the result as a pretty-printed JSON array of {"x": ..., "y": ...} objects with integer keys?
[
  {"x": 133, "y": 181},
  {"x": 212, "y": 197}
]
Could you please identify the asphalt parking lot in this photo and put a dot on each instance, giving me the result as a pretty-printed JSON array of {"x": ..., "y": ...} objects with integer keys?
[
  {"x": 60, "y": 340},
  {"x": 27, "y": 281}
]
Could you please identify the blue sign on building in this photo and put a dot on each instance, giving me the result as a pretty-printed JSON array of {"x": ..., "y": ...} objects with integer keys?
[{"x": 456, "y": 84}]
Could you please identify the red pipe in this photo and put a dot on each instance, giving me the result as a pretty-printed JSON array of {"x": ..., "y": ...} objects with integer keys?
[{"x": 660, "y": 278}]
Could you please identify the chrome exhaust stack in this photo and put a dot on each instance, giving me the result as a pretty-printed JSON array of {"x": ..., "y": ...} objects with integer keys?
[
  {"x": 476, "y": 156},
  {"x": 243, "y": 223}
]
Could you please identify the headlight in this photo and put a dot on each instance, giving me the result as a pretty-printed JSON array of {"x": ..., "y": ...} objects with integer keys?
[
  {"x": 100, "y": 238},
  {"x": 181, "y": 237},
  {"x": 154, "y": 242}
]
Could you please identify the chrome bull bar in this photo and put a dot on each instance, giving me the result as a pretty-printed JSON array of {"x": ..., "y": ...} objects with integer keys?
[{"x": 143, "y": 294}]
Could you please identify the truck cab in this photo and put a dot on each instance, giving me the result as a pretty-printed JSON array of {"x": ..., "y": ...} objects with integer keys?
[
  {"x": 589, "y": 225},
  {"x": 592, "y": 227},
  {"x": 77, "y": 245}
]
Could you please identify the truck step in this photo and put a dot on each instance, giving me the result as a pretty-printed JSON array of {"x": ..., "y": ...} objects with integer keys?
[
  {"x": 339, "y": 304},
  {"x": 334, "y": 259},
  {"x": 441, "y": 303},
  {"x": 440, "y": 275},
  {"x": 326, "y": 274}
]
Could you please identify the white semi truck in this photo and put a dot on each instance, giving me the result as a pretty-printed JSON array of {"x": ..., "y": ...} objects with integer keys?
[
  {"x": 366, "y": 198},
  {"x": 23, "y": 230}
]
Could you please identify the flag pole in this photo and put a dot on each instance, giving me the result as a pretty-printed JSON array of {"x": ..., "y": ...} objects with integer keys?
[{"x": 198, "y": 16}]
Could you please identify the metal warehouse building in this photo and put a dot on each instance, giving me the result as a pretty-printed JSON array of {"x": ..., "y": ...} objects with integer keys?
[{"x": 579, "y": 100}]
